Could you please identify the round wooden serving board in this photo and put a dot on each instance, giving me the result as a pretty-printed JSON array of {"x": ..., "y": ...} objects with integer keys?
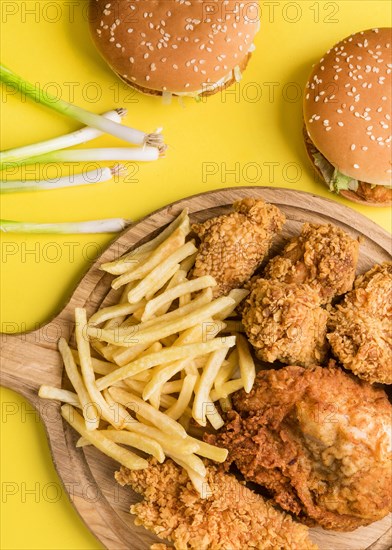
[{"x": 31, "y": 359}]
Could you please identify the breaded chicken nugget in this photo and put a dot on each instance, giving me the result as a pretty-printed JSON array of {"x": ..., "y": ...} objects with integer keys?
[
  {"x": 233, "y": 245},
  {"x": 285, "y": 322},
  {"x": 323, "y": 256},
  {"x": 361, "y": 326}
]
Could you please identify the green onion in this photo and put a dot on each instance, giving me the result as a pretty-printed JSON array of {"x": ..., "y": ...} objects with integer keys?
[
  {"x": 99, "y": 175},
  {"x": 82, "y": 115},
  {"x": 84, "y": 155},
  {"x": 111, "y": 225},
  {"x": 75, "y": 138}
]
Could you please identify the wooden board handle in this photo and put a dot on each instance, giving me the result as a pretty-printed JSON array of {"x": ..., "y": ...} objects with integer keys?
[{"x": 30, "y": 359}]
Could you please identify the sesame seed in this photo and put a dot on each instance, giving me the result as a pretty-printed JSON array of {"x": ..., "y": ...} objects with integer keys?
[{"x": 356, "y": 166}]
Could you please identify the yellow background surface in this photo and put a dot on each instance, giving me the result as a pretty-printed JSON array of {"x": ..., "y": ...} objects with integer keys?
[{"x": 248, "y": 136}]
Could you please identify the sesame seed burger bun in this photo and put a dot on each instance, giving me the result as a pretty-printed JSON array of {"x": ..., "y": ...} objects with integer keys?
[
  {"x": 347, "y": 114},
  {"x": 183, "y": 47}
]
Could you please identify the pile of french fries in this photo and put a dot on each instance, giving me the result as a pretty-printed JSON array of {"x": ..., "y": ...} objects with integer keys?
[{"x": 168, "y": 353}]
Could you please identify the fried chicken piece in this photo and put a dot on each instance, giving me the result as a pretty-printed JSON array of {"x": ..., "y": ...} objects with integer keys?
[
  {"x": 233, "y": 245},
  {"x": 361, "y": 326},
  {"x": 285, "y": 322},
  {"x": 323, "y": 256},
  {"x": 319, "y": 440},
  {"x": 232, "y": 516}
]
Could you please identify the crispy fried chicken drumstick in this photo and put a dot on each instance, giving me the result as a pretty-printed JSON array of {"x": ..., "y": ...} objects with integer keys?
[
  {"x": 233, "y": 245},
  {"x": 322, "y": 256},
  {"x": 319, "y": 440},
  {"x": 361, "y": 326},
  {"x": 231, "y": 516}
]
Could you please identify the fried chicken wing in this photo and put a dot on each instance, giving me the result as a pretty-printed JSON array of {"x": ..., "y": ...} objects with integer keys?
[
  {"x": 319, "y": 440},
  {"x": 361, "y": 326},
  {"x": 233, "y": 245},
  {"x": 285, "y": 322},
  {"x": 231, "y": 517},
  {"x": 323, "y": 256}
]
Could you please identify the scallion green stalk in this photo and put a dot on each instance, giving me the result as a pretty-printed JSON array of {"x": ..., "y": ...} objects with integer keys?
[
  {"x": 99, "y": 175},
  {"x": 28, "y": 89},
  {"x": 111, "y": 225},
  {"x": 145, "y": 154},
  {"x": 83, "y": 135}
]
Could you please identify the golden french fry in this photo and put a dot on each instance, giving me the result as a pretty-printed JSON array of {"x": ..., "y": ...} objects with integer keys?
[
  {"x": 111, "y": 312},
  {"x": 184, "y": 300},
  {"x": 225, "y": 373},
  {"x": 199, "y": 482},
  {"x": 122, "y": 356},
  {"x": 176, "y": 292},
  {"x": 225, "y": 404},
  {"x": 168, "y": 442},
  {"x": 192, "y": 461},
  {"x": 188, "y": 263},
  {"x": 175, "y": 241},
  {"x": 157, "y": 332},
  {"x": 82, "y": 442},
  {"x": 178, "y": 277},
  {"x": 117, "y": 321},
  {"x": 151, "y": 279},
  {"x": 155, "y": 400},
  {"x": 218, "y": 454},
  {"x": 184, "y": 398},
  {"x": 164, "y": 356},
  {"x": 100, "y": 347},
  {"x": 88, "y": 371},
  {"x": 226, "y": 389},
  {"x": 247, "y": 365},
  {"x": 168, "y": 340},
  {"x": 174, "y": 386},
  {"x": 165, "y": 372},
  {"x": 157, "y": 418},
  {"x": 141, "y": 376},
  {"x": 49, "y": 392},
  {"x": 167, "y": 401},
  {"x": 138, "y": 441},
  {"x": 213, "y": 416},
  {"x": 204, "y": 298},
  {"x": 123, "y": 456},
  {"x": 237, "y": 295},
  {"x": 90, "y": 411},
  {"x": 160, "y": 283},
  {"x": 161, "y": 377},
  {"x": 99, "y": 366},
  {"x": 129, "y": 261},
  {"x": 123, "y": 264},
  {"x": 202, "y": 401}
]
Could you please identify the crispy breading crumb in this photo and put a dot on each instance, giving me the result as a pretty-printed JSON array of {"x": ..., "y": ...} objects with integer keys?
[
  {"x": 285, "y": 322},
  {"x": 361, "y": 326},
  {"x": 232, "y": 517},
  {"x": 233, "y": 245},
  {"x": 323, "y": 256}
]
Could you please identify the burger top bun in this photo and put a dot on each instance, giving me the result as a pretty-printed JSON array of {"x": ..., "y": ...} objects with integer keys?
[
  {"x": 347, "y": 106},
  {"x": 176, "y": 46}
]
